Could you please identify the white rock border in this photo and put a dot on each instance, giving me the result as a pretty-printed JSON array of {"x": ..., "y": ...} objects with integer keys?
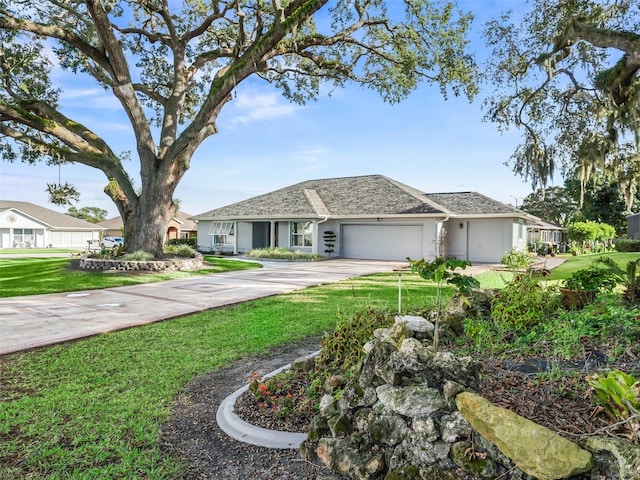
[{"x": 245, "y": 432}]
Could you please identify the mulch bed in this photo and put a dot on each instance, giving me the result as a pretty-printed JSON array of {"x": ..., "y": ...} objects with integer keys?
[{"x": 561, "y": 402}]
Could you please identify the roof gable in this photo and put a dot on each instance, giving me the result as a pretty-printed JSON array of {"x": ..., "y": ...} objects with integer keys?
[{"x": 51, "y": 218}]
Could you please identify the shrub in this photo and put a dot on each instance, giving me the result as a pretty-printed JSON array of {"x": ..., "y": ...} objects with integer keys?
[
  {"x": 279, "y": 253},
  {"x": 138, "y": 256},
  {"x": 627, "y": 244},
  {"x": 181, "y": 250},
  {"x": 523, "y": 302},
  {"x": 517, "y": 259},
  {"x": 192, "y": 242},
  {"x": 342, "y": 348}
]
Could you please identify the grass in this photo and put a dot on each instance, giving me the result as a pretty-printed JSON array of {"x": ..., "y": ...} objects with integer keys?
[
  {"x": 35, "y": 251},
  {"x": 32, "y": 276},
  {"x": 573, "y": 264},
  {"x": 93, "y": 408}
]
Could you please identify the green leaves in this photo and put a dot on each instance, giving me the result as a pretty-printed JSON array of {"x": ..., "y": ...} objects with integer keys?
[
  {"x": 619, "y": 394},
  {"x": 442, "y": 270}
]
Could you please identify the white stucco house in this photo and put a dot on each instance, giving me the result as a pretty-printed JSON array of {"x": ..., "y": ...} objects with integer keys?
[
  {"x": 372, "y": 217},
  {"x": 633, "y": 226},
  {"x": 25, "y": 225}
]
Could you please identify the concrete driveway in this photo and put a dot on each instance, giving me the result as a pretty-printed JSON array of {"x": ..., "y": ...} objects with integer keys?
[{"x": 37, "y": 320}]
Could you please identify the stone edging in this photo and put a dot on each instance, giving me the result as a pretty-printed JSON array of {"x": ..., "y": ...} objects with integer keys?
[
  {"x": 172, "y": 264},
  {"x": 245, "y": 432}
]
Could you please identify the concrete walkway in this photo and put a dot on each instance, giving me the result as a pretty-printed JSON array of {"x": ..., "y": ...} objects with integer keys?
[{"x": 38, "y": 320}]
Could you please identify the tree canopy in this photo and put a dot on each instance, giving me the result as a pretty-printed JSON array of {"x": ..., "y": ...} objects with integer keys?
[
  {"x": 173, "y": 66},
  {"x": 90, "y": 214},
  {"x": 567, "y": 75}
]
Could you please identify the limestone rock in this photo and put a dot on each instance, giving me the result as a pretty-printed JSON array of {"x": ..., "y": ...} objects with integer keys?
[
  {"x": 536, "y": 450},
  {"x": 352, "y": 456},
  {"x": 354, "y": 395},
  {"x": 454, "y": 427},
  {"x": 416, "y": 324},
  {"x": 423, "y": 453},
  {"x": 427, "y": 427},
  {"x": 327, "y": 405},
  {"x": 387, "y": 429},
  {"x": 626, "y": 455},
  {"x": 339, "y": 425},
  {"x": 303, "y": 364},
  {"x": 411, "y": 401},
  {"x": 397, "y": 334}
]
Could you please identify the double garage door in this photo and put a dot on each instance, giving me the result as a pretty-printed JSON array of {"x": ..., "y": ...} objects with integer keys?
[{"x": 382, "y": 242}]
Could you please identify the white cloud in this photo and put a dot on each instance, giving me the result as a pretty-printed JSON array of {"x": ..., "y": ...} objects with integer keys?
[{"x": 251, "y": 105}]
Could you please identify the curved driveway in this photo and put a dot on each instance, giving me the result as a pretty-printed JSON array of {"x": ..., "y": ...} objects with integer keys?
[{"x": 37, "y": 320}]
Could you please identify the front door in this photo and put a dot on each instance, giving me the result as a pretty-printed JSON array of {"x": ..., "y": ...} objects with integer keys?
[{"x": 260, "y": 235}]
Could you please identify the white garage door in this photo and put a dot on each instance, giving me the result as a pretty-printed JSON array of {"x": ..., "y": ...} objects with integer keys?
[
  {"x": 486, "y": 241},
  {"x": 382, "y": 242}
]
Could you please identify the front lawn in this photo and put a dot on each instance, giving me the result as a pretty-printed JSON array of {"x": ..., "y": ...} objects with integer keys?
[
  {"x": 93, "y": 408},
  {"x": 33, "y": 275}
]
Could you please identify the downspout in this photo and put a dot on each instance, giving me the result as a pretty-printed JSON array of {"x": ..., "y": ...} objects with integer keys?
[
  {"x": 315, "y": 244},
  {"x": 439, "y": 236}
]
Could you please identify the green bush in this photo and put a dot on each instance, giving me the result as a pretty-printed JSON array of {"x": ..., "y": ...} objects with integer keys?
[
  {"x": 627, "y": 244},
  {"x": 342, "y": 348},
  {"x": 523, "y": 302},
  {"x": 590, "y": 232},
  {"x": 192, "y": 242},
  {"x": 279, "y": 253},
  {"x": 138, "y": 256},
  {"x": 181, "y": 250}
]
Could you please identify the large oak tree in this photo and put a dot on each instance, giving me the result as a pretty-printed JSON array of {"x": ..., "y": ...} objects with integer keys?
[
  {"x": 567, "y": 75},
  {"x": 173, "y": 66}
]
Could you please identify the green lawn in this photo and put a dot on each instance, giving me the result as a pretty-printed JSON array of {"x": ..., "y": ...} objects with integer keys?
[
  {"x": 93, "y": 408},
  {"x": 579, "y": 262},
  {"x": 33, "y": 275}
]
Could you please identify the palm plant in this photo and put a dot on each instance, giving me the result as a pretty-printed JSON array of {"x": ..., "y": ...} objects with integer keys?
[{"x": 629, "y": 276}]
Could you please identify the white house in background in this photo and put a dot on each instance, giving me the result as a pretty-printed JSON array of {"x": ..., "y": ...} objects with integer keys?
[
  {"x": 25, "y": 225},
  {"x": 373, "y": 217}
]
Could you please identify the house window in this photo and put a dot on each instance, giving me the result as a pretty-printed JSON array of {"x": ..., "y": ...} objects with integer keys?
[
  {"x": 23, "y": 237},
  {"x": 301, "y": 234},
  {"x": 520, "y": 230},
  {"x": 220, "y": 231}
]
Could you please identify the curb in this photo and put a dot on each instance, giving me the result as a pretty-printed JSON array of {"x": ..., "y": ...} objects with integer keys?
[{"x": 245, "y": 432}]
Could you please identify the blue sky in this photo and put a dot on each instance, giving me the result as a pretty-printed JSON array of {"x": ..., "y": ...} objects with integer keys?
[{"x": 265, "y": 143}]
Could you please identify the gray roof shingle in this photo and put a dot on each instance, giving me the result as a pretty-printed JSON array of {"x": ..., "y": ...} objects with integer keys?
[
  {"x": 345, "y": 196},
  {"x": 53, "y": 219},
  {"x": 472, "y": 203}
]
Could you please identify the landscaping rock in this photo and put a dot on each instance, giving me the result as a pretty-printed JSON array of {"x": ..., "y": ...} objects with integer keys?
[
  {"x": 536, "y": 450},
  {"x": 303, "y": 364},
  {"x": 623, "y": 460},
  {"x": 411, "y": 401}
]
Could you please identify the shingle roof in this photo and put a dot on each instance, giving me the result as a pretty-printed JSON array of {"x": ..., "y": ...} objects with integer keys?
[
  {"x": 472, "y": 203},
  {"x": 53, "y": 219},
  {"x": 345, "y": 196}
]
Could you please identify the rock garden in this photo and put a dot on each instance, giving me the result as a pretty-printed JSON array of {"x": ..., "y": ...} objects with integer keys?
[{"x": 494, "y": 384}]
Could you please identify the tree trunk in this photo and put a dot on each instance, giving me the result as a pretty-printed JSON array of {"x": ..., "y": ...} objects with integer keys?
[{"x": 146, "y": 222}]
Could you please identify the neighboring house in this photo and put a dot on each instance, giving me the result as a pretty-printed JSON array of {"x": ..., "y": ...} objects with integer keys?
[
  {"x": 25, "y": 225},
  {"x": 541, "y": 231},
  {"x": 633, "y": 226},
  {"x": 373, "y": 217},
  {"x": 179, "y": 227}
]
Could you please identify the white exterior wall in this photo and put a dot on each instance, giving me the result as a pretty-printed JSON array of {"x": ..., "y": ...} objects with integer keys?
[
  {"x": 489, "y": 239},
  {"x": 331, "y": 225},
  {"x": 12, "y": 221},
  {"x": 244, "y": 231}
]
